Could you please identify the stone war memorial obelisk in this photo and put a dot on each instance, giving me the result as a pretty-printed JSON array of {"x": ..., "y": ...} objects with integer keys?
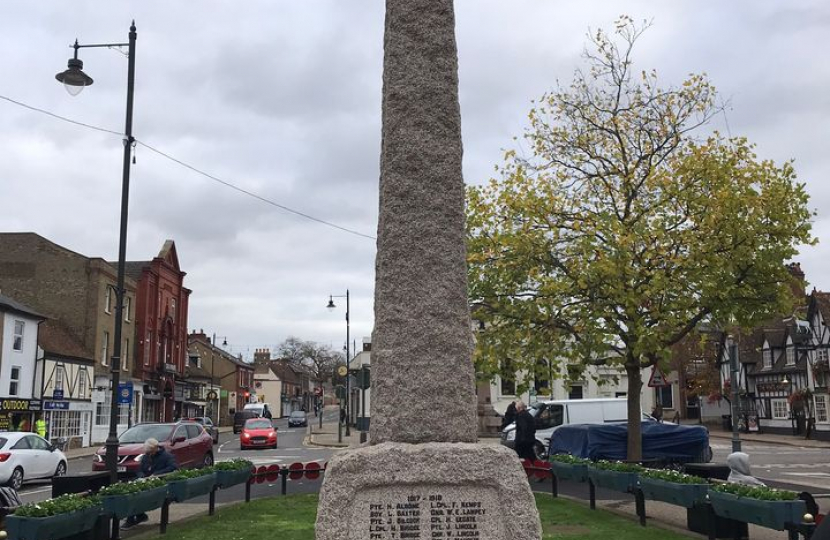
[{"x": 423, "y": 475}]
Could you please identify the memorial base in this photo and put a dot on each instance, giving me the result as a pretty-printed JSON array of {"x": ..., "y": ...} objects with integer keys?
[{"x": 435, "y": 491}]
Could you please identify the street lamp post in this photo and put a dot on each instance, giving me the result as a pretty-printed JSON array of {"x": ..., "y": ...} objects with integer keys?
[
  {"x": 331, "y": 307},
  {"x": 74, "y": 79},
  {"x": 212, "y": 379},
  {"x": 734, "y": 367}
]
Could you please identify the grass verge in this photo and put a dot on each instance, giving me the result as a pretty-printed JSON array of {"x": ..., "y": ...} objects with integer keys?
[{"x": 292, "y": 518}]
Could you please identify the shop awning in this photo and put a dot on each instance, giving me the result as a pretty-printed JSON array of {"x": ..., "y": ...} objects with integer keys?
[{"x": 197, "y": 403}]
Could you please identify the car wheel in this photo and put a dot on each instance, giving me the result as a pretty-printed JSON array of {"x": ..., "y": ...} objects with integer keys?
[
  {"x": 208, "y": 461},
  {"x": 16, "y": 479},
  {"x": 61, "y": 469},
  {"x": 539, "y": 450}
]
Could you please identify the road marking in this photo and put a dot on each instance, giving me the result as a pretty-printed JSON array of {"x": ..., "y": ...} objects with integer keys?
[{"x": 809, "y": 474}]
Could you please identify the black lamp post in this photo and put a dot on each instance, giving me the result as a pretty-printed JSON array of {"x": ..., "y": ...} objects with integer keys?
[
  {"x": 74, "y": 79},
  {"x": 331, "y": 307},
  {"x": 734, "y": 368}
]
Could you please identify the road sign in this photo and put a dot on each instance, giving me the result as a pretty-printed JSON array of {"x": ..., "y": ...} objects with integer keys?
[
  {"x": 57, "y": 394},
  {"x": 657, "y": 379},
  {"x": 342, "y": 370},
  {"x": 340, "y": 391},
  {"x": 125, "y": 393}
]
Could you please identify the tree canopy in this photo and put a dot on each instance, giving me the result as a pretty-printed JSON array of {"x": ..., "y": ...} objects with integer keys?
[
  {"x": 320, "y": 360},
  {"x": 626, "y": 224}
]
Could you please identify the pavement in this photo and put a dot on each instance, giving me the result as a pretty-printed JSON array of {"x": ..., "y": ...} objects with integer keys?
[{"x": 785, "y": 440}]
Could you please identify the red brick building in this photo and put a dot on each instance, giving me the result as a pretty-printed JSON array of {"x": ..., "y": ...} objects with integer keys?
[{"x": 161, "y": 333}]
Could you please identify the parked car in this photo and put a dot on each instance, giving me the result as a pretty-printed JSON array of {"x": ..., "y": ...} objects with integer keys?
[
  {"x": 239, "y": 419},
  {"x": 258, "y": 433},
  {"x": 207, "y": 423},
  {"x": 26, "y": 456},
  {"x": 189, "y": 443},
  {"x": 550, "y": 415},
  {"x": 297, "y": 418}
]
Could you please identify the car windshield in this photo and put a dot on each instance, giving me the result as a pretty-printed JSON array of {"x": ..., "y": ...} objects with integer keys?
[
  {"x": 298, "y": 414},
  {"x": 258, "y": 424},
  {"x": 139, "y": 434}
]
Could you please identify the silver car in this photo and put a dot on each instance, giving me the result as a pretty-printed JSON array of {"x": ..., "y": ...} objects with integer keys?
[{"x": 26, "y": 456}]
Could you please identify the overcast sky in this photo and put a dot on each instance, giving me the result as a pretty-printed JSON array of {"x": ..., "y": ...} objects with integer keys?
[{"x": 283, "y": 99}]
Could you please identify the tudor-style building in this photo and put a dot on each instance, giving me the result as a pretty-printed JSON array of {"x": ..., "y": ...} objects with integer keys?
[{"x": 161, "y": 333}]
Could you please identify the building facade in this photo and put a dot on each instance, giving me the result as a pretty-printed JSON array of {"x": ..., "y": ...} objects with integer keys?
[
  {"x": 230, "y": 377},
  {"x": 161, "y": 334},
  {"x": 19, "y": 326},
  {"x": 79, "y": 292}
]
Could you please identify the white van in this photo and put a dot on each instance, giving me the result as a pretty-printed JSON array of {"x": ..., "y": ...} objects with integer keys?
[
  {"x": 260, "y": 409},
  {"x": 550, "y": 415}
]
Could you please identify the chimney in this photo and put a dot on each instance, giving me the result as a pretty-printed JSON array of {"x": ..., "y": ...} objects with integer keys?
[
  {"x": 798, "y": 282},
  {"x": 262, "y": 356}
]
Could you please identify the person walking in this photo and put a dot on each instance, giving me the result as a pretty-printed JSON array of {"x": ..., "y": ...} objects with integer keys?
[
  {"x": 156, "y": 461},
  {"x": 509, "y": 415},
  {"x": 525, "y": 432}
]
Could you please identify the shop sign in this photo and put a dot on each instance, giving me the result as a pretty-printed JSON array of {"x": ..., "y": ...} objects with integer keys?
[
  {"x": 56, "y": 405},
  {"x": 19, "y": 405}
]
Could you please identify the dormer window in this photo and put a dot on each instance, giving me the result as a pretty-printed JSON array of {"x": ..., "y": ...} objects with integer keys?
[
  {"x": 767, "y": 355},
  {"x": 790, "y": 355}
]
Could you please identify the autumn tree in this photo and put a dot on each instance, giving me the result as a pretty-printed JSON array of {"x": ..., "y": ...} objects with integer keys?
[
  {"x": 320, "y": 360},
  {"x": 623, "y": 226}
]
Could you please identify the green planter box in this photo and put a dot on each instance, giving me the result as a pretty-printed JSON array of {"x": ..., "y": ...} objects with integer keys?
[
  {"x": 618, "y": 481},
  {"x": 686, "y": 495},
  {"x": 52, "y": 527},
  {"x": 182, "y": 490},
  {"x": 577, "y": 472},
  {"x": 226, "y": 479},
  {"x": 122, "y": 506},
  {"x": 770, "y": 514}
]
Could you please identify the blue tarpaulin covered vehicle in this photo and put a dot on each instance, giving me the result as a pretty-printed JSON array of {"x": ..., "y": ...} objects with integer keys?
[{"x": 668, "y": 443}]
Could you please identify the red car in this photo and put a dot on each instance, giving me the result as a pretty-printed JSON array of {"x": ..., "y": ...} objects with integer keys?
[
  {"x": 258, "y": 433},
  {"x": 189, "y": 443}
]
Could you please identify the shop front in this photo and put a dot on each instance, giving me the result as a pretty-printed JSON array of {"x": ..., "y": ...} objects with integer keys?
[
  {"x": 19, "y": 414},
  {"x": 69, "y": 421}
]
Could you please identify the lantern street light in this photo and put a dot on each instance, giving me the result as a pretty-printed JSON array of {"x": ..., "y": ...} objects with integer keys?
[
  {"x": 331, "y": 307},
  {"x": 75, "y": 80}
]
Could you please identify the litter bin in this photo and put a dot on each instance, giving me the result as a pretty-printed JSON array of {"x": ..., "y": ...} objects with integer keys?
[
  {"x": 80, "y": 483},
  {"x": 697, "y": 517}
]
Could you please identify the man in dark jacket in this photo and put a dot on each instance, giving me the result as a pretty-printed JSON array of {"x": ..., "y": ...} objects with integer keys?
[
  {"x": 525, "y": 432},
  {"x": 156, "y": 461}
]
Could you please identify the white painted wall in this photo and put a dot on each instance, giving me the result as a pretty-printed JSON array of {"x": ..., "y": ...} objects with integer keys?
[{"x": 24, "y": 358}]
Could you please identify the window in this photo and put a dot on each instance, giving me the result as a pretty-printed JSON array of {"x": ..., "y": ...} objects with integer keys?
[
  {"x": 64, "y": 424},
  {"x": 780, "y": 409},
  {"x": 17, "y": 344},
  {"x": 821, "y": 408},
  {"x": 193, "y": 431},
  {"x": 128, "y": 307},
  {"x": 181, "y": 431},
  {"x": 14, "y": 381},
  {"x": 59, "y": 377},
  {"x": 82, "y": 375},
  {"x": 108, "y": 299},
  {"x": 549, "y": 416},
  {"x": 105, "y": 348},
  {"x": 822, "y": 355},
  {"x": 173, "y": 308},
  {"x": 147, "y": 344},
  {"x": 102, "y": 411},
  {"x": 767, "y": 359},
  {"x": 575, "y": 391},
  {"x": 664, "y": 397},
  {"x": 125, "y": 356},
  {"x": 790, "y": 356},
  {"x": 508, "y": 378}
]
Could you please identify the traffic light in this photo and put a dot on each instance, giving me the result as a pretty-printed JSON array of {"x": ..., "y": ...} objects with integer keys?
[{"x": 246, "y": 395}]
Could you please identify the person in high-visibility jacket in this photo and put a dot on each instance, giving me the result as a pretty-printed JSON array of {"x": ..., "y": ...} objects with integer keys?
[{"x": 40, "y": 427}]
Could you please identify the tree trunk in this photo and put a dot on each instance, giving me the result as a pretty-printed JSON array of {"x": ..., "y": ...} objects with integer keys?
[{"x": 635, "y": 384}]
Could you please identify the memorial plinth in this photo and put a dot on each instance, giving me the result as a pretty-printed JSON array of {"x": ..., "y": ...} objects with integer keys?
[{"x": 436, "y": 491}]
